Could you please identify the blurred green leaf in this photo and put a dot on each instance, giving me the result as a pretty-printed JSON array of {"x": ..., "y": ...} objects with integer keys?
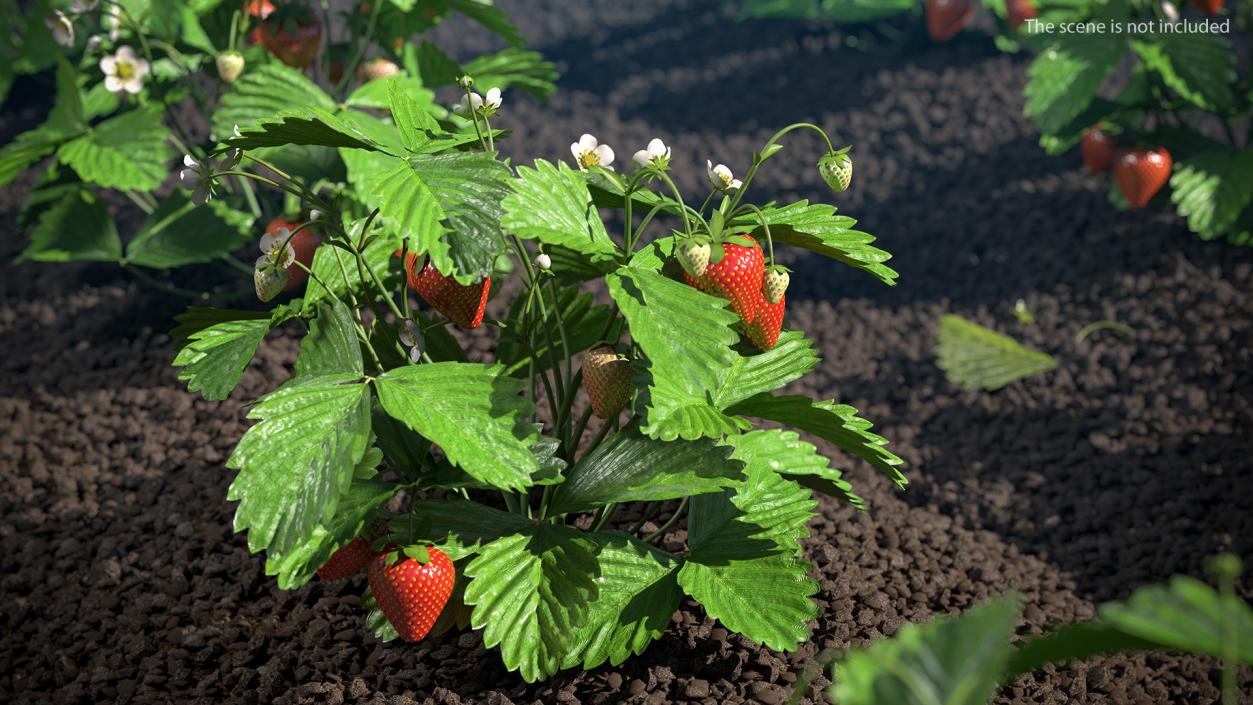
[{"x": 979, "y": 358}]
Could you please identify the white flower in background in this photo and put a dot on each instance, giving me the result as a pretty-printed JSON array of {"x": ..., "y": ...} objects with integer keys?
[
  {"x": 483, "y": 105},
  {"x": 113, "y": 20},
  {"x": 411, "y": 337},
  {"x": 588, "y": 152},
  {"x": 61, "y": 27},
  {"x": 124, "y": 72},
  {"x": 277, "y": 248},
  {"x": 721, "y": 177},
  {"x": 94, "y": 42},
  {"x": 1170, "y": 12},
  {"x": 198, "y": 177},
  {"x": 657, "y": 154},
  {"x": 543, "y": 261}
]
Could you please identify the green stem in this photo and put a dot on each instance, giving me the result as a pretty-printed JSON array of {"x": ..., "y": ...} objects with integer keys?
[
  {"x": 606, "y": 513},
  {"x": 351, "y": 67},
  {"x": 143, "y": 205},
  {"x": 648, "y": 513},
  {"x": 661, "y": 530},
  {"x": 757, "y": 160}
]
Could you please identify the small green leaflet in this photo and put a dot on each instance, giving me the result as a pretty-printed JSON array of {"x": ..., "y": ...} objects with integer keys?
[
  {"x": 1200, "y": 67},
  {"x": 1211, "y": 189},
  {"x": 955, "y": 661},
  {"x": 734, "y": 591},
  {"x": 264, "y": 92},
  {"x": 124, "y": 152},
  {"x": 637, "y": 592},
  {"x": 979, "y": 358},
  {"x": 530, "y": 593},
  {"x": 416, "y": 126},
  {"x": 551, "y": 204},
  {"x": 305, "y": 126},
  {"x": 180, "y": 232},
  {"x": 786, "y": 454},
  {"x": 435, "y": 68},
  {"x": 298, "y": 461},
  {"x": 686, "y": 338},
  {"x": 835, "y": 423},
  {"x": 514, "y": 68},
  {"x": 331, "y": 344},
  {"x": 67, "y": 120},
  {"x": 817, "y": 227},
  {"x": 215, "y": 357},
  {"x": 1065, "y": 77},
  {"x": 473, "y": 412},
  {"x": 79, "y": 228},
  {"x": 375, "y": 94},
  {"x": 632, "y": 467}
]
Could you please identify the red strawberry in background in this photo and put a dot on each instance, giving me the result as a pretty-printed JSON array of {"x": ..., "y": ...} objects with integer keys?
[
  {"x": 1019, "y": 11},
  {"x": 1209, "y": 7},
  {"x": 1141, "y": 174},
  {"x": 1098, "y": 149},
  {"x": 412, "y": 587},
  {"x": 945, "y": 18},
  {"x": 305, "y": 243},
  {"x": 350, "y": 558},
  {"x": 607, "y": 380},
  {"x": 293, "y": 34},
  {"x": 736, "y": 277},
  {"x": 463, "y": 304},
  {"x": 259, "y": 9}
]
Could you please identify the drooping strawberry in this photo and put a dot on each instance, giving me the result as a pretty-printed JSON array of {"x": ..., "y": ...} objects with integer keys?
[
  {"x": 1209, "y": 7},
  {"x": 945, "y": 18},
  {"x": 350, "y": 558},
  {"x": 230, "y": 64},
  {"x": 763, "y": 332},
  {"x": 1097, "y": 148},
  {"x": 293, "y": 34},
  {"x": 607, "y": 381},
  {"x": 463, "y": 304},
  {"x": 304, "y": 243},
  {"x": 1019, "y": 11},
  {"x": 736, "y": 277},
  {"x": 1141, "y": 174},
  {"x": 411, "y": 587},
  {"x": 375, "y": 69}
]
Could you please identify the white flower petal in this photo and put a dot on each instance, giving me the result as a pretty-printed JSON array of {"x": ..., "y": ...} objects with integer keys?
[
  {"x": 125, "y": 53},
  {"x": 108, "y": 64},
  {"x": 657, "y": 148},
  {"x": 112, "y": 84},
  {"x": 268, "y": 242},
  {"x": 734, "y": 185},
  {"x": 201, "y": 194},
  {"x": 493, "y": 98},
  {"x": 190, "y": 161},
  {"x": 134, "y": 85},
  {"x": 643, "y": 157},
  {"x": 576, "y": 150},
  {"x": 141, "y": 68},
  {"x": 605, "y": 154},
  {"x": 415, "y": 354},
  {"x": 588, "y": 143}
]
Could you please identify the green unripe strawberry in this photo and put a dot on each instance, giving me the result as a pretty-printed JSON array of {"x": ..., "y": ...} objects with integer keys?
[
  {"x": 269, "y": 279},
  {"x": 694, "y": 256},
  {"x": 230, "y": 65},
  {"x": 774, "y": 284},
  {"x": 837, "y": 170}
]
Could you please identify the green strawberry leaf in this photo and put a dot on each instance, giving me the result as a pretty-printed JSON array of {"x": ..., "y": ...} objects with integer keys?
[
  {"x": 491, "y": 17},
  {"x": 78, "y": 227},
  {"x": 123, "y": 152},
  {"x": 1199, "y": 67},
  {"x": 551, "y": 204},
  {"x": 530, "y": 592},
  {"x": 637, "y": 592},
  {"x": 26, "y": 149},
  {"x": 180, "y": 232},
  {"x": 472, "y": 411},
  {"x": 956, "y": 661},
  {"x": 786, "y": 454},
  {"x": 332, "y": 266},
  {"x": 435, "y": 68},
  {"x": 514, "y": 67},
  {"x": 686, "y": 337},
  {"x": 767, "y": 599},
  {"x": 353, "y": 515},
  {"x": 445, "y": 475},
  {"x": 980, "y": 358},
  {"x": 1066, "y": 76},
  {"x": 631, "y": 467},
  {"x": 835, "y": 423},
  {"x": 818, "y": 228},
  {"x": 331, "y": 344},
  {"x": 264, "y": 92},
  {"x": 377, "y": 94},
  {"x": 298, "y": 461},
  {"x": 302, "y": 126},
  {"x": 214, "y": 357},
  {"x": 792, "y": 357},
  {"x": 458, "y": 528},
  {"x": 417, "y": 126},
  {"x": 449, "y": 207},
  {"x": 1211, "y": 189}
]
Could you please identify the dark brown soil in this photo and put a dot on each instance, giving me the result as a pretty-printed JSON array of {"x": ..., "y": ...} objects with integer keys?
[{"x": 121, "y": 580}]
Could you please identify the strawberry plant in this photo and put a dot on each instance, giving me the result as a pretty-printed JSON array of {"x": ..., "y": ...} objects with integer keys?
[
  {"x": 637, "y": 370},
  {"x": 129, "y": 72}
]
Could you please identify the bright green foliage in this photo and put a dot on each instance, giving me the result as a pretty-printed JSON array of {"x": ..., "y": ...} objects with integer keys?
[
  {"x": 817, "y": 227},
  {"x": 331, "y": 345},
  {"x": 180, "y": 232},
  {"x": 980, "y": 358},
  {"x": 514, "y": 67},
  {"x": 309, "y": 126},
  {"x": 124, "y": 152},
  {"x": 551, "y": 204},
  {"x": 264, "y": 93},
  {"x": 214, "y": 358},
  {"x": 1067, "y": 75},
  {"x": 786, "y": 454},
  {"x": 1211, "y": 189},
  {"x": 1200, "y": 67},
  {"x": 78, "y": 227}
]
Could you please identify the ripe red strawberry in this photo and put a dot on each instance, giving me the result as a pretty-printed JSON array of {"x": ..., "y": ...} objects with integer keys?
[
  {"x": 348, "y": 560},
  {"x": 736, "y": 278},
  {"x": 1019, "y": 11},
  {"x": 607, "y": 381},
  {"x": 293, "y": 34},
  {"x": 305, "y": 243},
  {"x": 1210, "y": 7},
  {"x": 763, "y": 332},
  {"x": 1097, "y": 148},
  {"x": 1141, "y": 174},
  {"x": 411, "y": 592},
  {"x": 945, "y": 18},
  {"x": 463, "y": 304},
  {"x": 259, "y": 9}
]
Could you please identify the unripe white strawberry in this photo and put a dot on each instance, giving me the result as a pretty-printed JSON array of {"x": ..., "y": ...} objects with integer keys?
[
  {"x": 376, "y": 68},
  {"x": 269, "y": 279},
  {"x": 837, "y": 170},
  {"x": 694, "y": 256},
  {"x": 230, "y": 65},
  {"x": 774, "y": 284}
]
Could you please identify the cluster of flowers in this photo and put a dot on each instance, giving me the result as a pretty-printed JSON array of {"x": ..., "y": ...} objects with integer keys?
[{"x": 124, "y": 71}]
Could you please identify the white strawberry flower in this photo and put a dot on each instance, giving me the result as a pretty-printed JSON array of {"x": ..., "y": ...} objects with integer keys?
[
  {"x": 277, "y": 248},
  {"x": 61, "y": 27},
  {"x": 411, "y": 337},
  {"x": 721, "y": 177},
  {"x": 94, "y": 42},
  {"x": 197, "y": 176},
  {"x": 124, "y": 72},
  {"x": 656, "y": 153},
  {"x": 588, "y": 152},
  {"x": 483, "y": 105},
  {"x": 543, "y": 261}
]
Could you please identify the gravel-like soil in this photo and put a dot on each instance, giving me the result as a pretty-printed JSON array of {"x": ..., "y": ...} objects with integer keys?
[{"x": 121, "y": 580}]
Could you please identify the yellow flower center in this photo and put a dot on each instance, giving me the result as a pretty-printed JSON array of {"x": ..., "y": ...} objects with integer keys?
[
  {"x": 588, "y": 159},
  {"x": 125, "y": 70}
]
